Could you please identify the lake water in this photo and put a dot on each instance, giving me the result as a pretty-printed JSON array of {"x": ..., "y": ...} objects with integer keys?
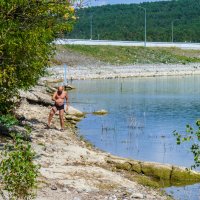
[{"x": 143, "y": 113}]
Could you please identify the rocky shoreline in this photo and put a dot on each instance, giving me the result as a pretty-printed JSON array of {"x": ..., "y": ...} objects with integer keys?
[
  {"x": 109, "y": 71},
  {"x": 71, "y": 169}
]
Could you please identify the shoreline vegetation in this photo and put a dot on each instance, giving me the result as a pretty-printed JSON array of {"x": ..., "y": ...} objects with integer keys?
[
  {"x": 119, "y": 55},
  {"x": 102, "y": 62}
]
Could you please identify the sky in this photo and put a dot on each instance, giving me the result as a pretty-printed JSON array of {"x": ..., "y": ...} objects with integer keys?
[{"x": 104, "y": 2}]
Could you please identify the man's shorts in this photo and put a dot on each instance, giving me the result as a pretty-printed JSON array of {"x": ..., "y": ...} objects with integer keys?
[{"x": 59, "y": 107}]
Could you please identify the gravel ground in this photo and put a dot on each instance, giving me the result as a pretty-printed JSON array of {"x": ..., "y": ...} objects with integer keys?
[
  {"x": 82, "y": 72},
  {"x": 83, "y": 67}
]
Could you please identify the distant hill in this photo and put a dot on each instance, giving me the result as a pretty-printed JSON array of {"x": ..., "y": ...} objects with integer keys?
[{"x": 126, "y": 21}]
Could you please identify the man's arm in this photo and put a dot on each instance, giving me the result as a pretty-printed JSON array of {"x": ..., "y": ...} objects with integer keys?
[
  {"x": 54, "y": 97},
  {"x": 67, "y": 102}
]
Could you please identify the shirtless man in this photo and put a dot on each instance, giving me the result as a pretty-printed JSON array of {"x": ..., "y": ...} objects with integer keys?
[{"x": 58, "y": 97}]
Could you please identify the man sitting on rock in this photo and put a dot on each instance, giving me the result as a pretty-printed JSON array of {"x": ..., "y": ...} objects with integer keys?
[{"x": 59, "y": 98}]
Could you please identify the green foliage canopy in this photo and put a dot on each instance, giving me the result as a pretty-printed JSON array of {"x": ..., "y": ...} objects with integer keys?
[
  {"x": 126, "y": 21},
  {"x": 27, "y": 29}
]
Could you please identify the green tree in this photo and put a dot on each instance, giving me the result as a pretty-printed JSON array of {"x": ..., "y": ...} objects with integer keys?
[
  {"x": 27, "y": 29},
  {"x": 126, "y": 22}
]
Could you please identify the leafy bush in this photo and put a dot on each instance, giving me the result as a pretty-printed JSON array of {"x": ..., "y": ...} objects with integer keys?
[
  {"x": 194, "y": 136},
  {"x": 18, "y": 171},
  {"x": 8, "y": 120}
]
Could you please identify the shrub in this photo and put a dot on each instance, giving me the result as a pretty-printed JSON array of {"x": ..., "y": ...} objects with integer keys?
[
  {"x": 18, "y": 171},
  {"x": 8, "y": 120}
]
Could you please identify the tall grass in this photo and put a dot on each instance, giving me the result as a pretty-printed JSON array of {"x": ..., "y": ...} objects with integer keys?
[{"x": 137, "y": 55}]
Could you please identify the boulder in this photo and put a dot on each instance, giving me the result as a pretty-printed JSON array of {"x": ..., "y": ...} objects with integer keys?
[
  {"x": 156, "y": 170},
  {"x": 73, "y": 111},
  {"x": 100, "y": 112},
  {"x": 38, "y": 88},
  {"x": 16, "y": 130},
  {"x": 72, "y": 117},
  {"x": 37, "y": 97},
  {"x": 136, "y": 166},
  {"x": 125, "y": 166},
  {"x": 50, "y": 89},
  {"x": 43, "y": 98},
  {"x": 69, "y": 87},
  {"x": 28, "y": 95},
  {"x": 137, "y": 196},
  {"x": 169, "y": 174},
  {"x": 129, "y": 166},
  {"x": 181, "y": 173}
]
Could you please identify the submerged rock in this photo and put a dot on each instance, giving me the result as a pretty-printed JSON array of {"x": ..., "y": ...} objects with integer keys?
[
  {"x": 69, "y": 87},
  {"x": 100, "y": 112},
  {"x": 172, "y": 175},
  {"x": 73, "y": 118},
  {"x": 157, "y": 170},
  {"x": 183, "y": 174}
]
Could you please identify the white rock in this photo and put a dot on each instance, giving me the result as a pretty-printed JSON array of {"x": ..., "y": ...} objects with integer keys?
[
  {"x": 73, "y": 111},
  {"x": 113, "y": 197},
  {"x": 137, "y": 196},
  {"x": 76, "y": 198},
  {"x": 28, "y": 95},
  {"x": 72, "y": 117}
]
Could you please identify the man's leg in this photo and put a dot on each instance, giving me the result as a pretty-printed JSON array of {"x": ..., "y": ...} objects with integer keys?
[
  {"x": 51, "y": 114},
  {"x": 61, "y": 115}
]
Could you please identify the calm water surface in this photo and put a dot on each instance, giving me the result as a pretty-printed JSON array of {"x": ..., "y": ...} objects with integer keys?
[{"x": 143, "y": 113}]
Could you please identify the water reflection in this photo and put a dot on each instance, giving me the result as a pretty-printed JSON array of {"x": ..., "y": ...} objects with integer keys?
[
  {"x": 143, "y": 113},
  {"x": 185, "y": 193}
]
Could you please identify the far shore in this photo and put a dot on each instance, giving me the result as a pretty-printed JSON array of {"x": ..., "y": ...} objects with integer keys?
[{"x": 86, "y": 72}]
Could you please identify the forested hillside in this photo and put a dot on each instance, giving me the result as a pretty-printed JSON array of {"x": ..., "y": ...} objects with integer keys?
[{"x": 126, "y": 22}]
